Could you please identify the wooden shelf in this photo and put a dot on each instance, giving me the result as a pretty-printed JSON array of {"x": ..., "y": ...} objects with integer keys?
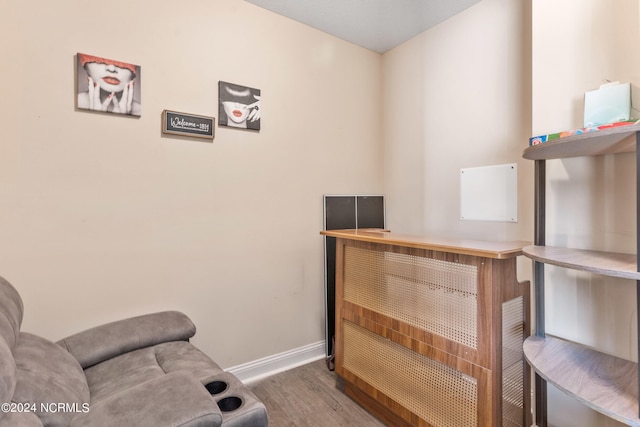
[
  {"x": 605, "y": 383},
  {"x": 608, "y": 141},
  {"x": 607, "y": 263}
]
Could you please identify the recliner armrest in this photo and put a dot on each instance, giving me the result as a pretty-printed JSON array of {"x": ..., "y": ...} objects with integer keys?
[
  {"x": 175, "y": 399},
  {"x": 103, "y": 342}
]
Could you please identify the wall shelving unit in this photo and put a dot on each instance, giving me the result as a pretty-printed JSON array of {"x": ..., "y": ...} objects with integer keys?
[{"x": 608, "y": 384}]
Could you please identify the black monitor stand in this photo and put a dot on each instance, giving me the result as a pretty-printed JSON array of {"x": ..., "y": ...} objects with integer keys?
[{"x": 344, "y": 212}]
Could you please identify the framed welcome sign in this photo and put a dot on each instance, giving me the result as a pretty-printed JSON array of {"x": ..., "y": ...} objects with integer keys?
[{"x": 184, "y": 124}]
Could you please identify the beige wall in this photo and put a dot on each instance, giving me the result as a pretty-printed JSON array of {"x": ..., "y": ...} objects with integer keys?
[
  {"x": 458, "y": 96},
  {"x": 577, "y": 45},
  {"x": 102, "y": 217}
]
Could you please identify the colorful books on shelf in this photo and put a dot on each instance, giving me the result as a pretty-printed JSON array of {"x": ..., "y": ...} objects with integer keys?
[{"x": 551, "y": 136}]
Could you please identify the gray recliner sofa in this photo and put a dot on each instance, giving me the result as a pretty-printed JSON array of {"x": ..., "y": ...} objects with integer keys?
[{"x": 138, "y": 372}]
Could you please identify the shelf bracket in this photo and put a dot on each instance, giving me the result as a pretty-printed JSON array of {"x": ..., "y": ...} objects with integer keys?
[{"x": 538, "y": 279}]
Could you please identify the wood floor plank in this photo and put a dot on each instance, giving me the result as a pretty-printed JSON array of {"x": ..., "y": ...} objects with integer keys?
[{"x": 308, "y": 396}]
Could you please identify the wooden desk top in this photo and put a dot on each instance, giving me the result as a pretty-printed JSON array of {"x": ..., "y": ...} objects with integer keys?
[{"x": 487, "y": 249}]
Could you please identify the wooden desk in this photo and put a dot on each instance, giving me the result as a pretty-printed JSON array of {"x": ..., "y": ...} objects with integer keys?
[{"x": 429, "y": 331}]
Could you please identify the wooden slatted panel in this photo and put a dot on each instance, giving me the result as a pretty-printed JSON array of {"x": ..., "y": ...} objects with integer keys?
[
  {"x": 435, "y": 392},
  {"x": 513, "y": 363},
  {"x": 434, "y": 295}
]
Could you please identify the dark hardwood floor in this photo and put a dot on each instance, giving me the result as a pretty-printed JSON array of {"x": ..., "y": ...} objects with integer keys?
[{"x": 307, "y": 396}]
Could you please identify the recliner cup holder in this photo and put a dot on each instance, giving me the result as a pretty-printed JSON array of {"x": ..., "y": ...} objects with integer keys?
[
  {"x": 216, "y": 387},
  {"x": 229, "y": 404}
]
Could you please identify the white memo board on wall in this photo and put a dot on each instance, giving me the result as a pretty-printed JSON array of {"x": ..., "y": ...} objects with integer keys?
[{"x": 489, "y": 193}]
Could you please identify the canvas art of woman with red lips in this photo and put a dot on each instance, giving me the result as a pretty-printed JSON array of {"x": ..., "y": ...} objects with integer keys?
[
  {"x": 239, "y": 106},
  {"x": 108, "y": 85}
]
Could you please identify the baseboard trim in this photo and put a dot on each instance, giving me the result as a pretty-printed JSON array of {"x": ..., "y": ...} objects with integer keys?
[{"x": 270, "y": 365}]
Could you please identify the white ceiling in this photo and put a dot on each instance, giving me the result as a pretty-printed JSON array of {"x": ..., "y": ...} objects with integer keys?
[{"x": 378, "y": 25}]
